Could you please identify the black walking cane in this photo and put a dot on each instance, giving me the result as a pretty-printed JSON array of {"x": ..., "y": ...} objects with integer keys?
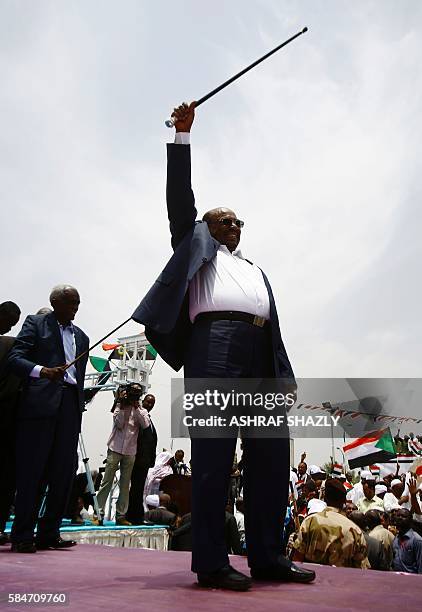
[
  {"x": 170, "y": 123},
  {"x": 110, "y": 333}
]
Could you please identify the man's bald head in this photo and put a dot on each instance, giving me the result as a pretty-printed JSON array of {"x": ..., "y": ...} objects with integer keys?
[
  {"x": 216, "y": 213},
  {"x": 165, "y": 500},
  {"x": 9, "y": 316},
  {"x": 373, "y": 518},
  {"x": 224, "y": 226},
  {"x": 359, "y": 519}
]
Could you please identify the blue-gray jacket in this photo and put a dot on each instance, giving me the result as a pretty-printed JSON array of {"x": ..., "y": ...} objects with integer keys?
[
  {"x": 40, "y": 343},
  {"x": 165, "y": 309}
]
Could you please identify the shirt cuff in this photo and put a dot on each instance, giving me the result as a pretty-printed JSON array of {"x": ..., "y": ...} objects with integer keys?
[
  {"x": 35, "y": 372},
  {"x": 182, "y": 138}
]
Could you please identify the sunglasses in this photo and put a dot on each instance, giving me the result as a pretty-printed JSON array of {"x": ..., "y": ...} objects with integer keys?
[{"x": 229, "y": 222}]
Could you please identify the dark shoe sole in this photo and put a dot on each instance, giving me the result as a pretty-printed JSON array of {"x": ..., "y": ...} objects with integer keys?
[
  {"x": 303, "y": 580},
  {"x": 53, "y": 547},
  {"x": 210, "y": 584}
]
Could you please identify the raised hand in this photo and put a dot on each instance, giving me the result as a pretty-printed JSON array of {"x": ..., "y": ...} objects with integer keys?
[
  {"x": 412, "y": 486},
  {"x": 183, "y": 117}
]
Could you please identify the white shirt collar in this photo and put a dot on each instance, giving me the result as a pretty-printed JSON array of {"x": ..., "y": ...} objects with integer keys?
[
  {"x": 70, "y": 325},
  {"x": 236, "y": 252}
]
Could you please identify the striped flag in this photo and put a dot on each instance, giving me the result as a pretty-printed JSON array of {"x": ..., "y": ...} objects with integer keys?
[
  {"x": 375, "y": 470},
  {"x": 415, "y": 446},
  {"x": 374, "y": 447},
  {"x": 337, "y": 470}
]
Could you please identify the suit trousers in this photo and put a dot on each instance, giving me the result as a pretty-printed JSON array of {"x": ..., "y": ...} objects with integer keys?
[
  {"x": 136, "y": 513},
  {"x": 46, "y": 454},
  {"x": 236, "y": 349},
  {"x": 7, "y": 460}
]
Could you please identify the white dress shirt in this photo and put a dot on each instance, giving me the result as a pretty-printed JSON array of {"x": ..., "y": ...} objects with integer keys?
[
  {"x": 355, "y": 494},
  {"x": 392, "y": 503},
  {"x": 69, "y": 345},
  {"x": 228, "y": 281}
]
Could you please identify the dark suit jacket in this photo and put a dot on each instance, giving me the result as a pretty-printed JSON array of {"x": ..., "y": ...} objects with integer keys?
[
  {"x": 10, "y": 386},
  {"x": 9, "y": 382},
  {"x": 181, "y": 538},
  {"x": 182, "y": 470},
  {"x": 165, "y": 309},
  {"x": 146, "y": 447},
  {"x": 40, "y": 343},
  {"x": 160, "y": 516}
]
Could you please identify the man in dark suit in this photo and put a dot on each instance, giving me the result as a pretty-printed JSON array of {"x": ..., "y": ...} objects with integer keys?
[
  {"x": 145, "y": 459},
  {"x": 9, "y": 389},
  {"x": 213, "y": 312},
  {"x": 49, "y": 419},
  {"x": 177, "y": 464}
]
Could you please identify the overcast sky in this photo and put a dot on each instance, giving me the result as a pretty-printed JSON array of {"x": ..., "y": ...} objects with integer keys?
[{"x": 318, "y": 150}]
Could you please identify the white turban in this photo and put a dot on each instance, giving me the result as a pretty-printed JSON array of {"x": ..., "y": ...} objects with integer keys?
[
  {"x": 315, "y": 469},
  {"x": 395, "y": 482},
  {"x": 316, "y": 505},
  {"x": 152, "y": 500},
  {"x": 379, "y": 488}
]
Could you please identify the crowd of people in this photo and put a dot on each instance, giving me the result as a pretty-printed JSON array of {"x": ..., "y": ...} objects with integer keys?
[{"x": 375, "y": 523}]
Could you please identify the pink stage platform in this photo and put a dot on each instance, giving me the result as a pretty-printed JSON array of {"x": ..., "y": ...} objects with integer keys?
[{"x": 119, "y": 579}]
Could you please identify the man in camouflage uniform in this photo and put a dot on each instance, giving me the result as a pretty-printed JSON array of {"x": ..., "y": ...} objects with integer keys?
[{"x": 329, "y": 537}]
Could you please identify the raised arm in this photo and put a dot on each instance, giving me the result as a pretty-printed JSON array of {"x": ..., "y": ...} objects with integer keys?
[{"x": 180, "y": 199}]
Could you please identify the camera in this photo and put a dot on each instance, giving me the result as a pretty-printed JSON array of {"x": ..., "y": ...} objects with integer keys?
[{"x": 130, "y": 393}]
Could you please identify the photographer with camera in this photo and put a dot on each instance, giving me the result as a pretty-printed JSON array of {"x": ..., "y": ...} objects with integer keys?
[{"x": 128, "y": 417}]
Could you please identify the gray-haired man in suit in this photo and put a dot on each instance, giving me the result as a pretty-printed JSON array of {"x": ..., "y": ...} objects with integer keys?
[{"x": 49, "y": 419}]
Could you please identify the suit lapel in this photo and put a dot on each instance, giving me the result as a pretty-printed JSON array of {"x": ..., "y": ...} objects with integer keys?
[
  {"x": 78, "y": 347},
  {"x": 78, "y": 340},
  {"x": 54, "y": 328}
]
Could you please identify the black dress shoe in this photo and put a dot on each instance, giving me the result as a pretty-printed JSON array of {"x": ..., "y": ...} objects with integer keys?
[
  {"x": 225, "y": 578},
  {"x": 54, "y": 544},
  {"x": 281, "y": 573},
  {"x": 24, "y": 547}
]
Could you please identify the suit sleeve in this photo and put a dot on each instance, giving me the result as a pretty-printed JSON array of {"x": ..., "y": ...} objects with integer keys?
[
  {"x": 180, "y": 199},
  {"x": 19, "y": 357},
  {"x": 142, "y": 418},
  {"x": 84, "y": 360}
]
